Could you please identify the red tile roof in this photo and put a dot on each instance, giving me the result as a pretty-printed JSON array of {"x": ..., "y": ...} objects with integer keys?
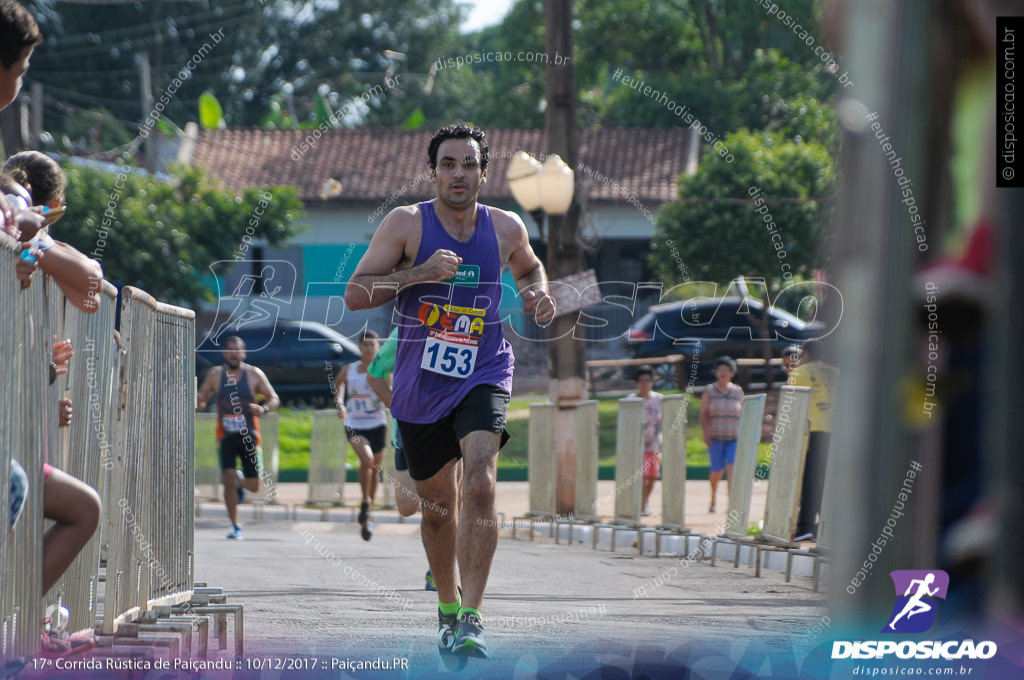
[{"x": 374, "y": 163}]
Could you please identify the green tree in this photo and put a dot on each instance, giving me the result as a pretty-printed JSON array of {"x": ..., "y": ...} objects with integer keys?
[
  {"x": 731, "y": 64},
  {"x": 720, "y": 232},
  {"x": 163, "y": 236}
]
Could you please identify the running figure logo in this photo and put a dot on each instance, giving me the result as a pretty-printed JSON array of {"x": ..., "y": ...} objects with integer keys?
[{"x": 913, "y": 613}]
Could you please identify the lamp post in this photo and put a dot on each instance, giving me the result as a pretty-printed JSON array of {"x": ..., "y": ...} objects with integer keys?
[
  {"x": 542, "y": 189},
  {"x": 555, "y": 181},
  {"x": 546, "y": 191}
]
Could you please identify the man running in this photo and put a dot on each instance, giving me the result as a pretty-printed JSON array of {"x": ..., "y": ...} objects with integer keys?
[
  {"x": 443, "y": 260},
  {"x": 236, "y": 386}
]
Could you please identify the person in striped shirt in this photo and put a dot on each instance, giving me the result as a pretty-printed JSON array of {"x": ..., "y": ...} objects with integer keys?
[{"x": 720, "y": 408}]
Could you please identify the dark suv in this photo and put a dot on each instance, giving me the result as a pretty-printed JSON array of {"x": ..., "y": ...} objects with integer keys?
[
  {"x": 300, "y": 358},
  {"x": 713, "y": 327}
]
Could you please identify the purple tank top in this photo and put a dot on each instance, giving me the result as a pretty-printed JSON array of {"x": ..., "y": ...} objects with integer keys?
[{"x": 450, "y": 338}]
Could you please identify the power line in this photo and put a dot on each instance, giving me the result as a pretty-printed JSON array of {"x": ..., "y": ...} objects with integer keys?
[
  {"x": 116, "y": 73},
  {"x": 94, "y": 36},
  {"x": 135, "y": 43}
]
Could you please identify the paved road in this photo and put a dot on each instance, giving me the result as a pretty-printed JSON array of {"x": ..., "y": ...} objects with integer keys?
[{"x": 317, "y": 588}]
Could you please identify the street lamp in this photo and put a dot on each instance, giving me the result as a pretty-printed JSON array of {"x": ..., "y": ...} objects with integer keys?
[{"x": 541, "y": 188}]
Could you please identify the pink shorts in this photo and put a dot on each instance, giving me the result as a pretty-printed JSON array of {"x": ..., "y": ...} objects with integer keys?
[
  {"x": 47, "y": 469},
  {"x": 652, "y": 464}
]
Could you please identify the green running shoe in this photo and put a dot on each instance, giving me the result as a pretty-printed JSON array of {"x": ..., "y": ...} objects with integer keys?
[
  {"x": 469, "y": 640},
  {"x": 446, "y": 624}
]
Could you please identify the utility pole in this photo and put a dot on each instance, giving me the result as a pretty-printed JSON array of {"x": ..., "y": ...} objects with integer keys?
[
  {"x": 11, "y": 129},
  {"x": 146, "y": 88},
  {"x": 565, "y": 256},
  {"x": 37, "y": 115}
]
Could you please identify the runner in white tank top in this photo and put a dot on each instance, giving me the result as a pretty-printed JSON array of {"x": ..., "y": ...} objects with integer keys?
[
  {"x": 366, "y": 423},
  {"x": 364, "y": 407}
]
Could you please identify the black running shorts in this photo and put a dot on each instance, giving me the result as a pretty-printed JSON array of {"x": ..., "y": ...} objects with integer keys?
[
  {"x": 235, "y": 446},
  {"x": 376, "y": 436},
  {"x": 429, "y": 446}
]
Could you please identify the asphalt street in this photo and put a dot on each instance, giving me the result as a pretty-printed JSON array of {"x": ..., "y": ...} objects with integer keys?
[{"x": 313, "y": 588}]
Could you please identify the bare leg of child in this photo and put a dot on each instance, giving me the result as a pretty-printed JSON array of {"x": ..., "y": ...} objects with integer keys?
[
  {"x": 648, "y": 487},
  {"x": 76, "y": 509}
]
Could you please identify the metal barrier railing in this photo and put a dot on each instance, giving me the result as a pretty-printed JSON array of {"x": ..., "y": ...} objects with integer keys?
[
  {"x": 131, "y": 472},
  {"x": 150, "y": 522},
  {"x": 24, "y": 378},
  {"x": 85, "y": 448},
  {"x": 171, "y": 575},
  {"x": 10, "y": 336}
]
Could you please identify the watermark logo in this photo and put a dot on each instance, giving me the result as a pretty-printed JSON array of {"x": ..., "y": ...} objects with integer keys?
[
  {"x": 257, "y": 300},
  {"x": 914, "y": 611}
]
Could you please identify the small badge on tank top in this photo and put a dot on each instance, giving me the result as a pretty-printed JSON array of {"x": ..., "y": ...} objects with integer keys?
[{"x": 467, "y": 275}]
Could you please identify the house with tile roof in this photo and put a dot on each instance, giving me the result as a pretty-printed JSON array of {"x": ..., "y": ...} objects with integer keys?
[{"x": 349, "y": 179}]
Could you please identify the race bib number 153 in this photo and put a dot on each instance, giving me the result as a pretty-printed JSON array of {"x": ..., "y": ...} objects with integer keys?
[{"x": 453, "y": 355}]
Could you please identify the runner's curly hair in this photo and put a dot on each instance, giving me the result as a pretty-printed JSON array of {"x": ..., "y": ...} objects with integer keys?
[{"x": 458, "y": 131}]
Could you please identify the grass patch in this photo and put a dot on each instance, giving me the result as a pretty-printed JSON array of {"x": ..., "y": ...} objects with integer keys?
[
  {"x": 293, "y": 434},
  {"x": 296, "y": 427}
]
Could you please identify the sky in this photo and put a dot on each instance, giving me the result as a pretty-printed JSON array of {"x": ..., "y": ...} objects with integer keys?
[{"x": 486, "y": 13}]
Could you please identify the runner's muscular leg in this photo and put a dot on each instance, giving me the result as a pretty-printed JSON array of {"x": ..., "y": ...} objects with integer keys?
[
  {"x": 439, "y": 526},
  {"x": 362, "y": 449},
  {"x": 406, "y": 498},
  {"x": 478, "y": 521},
  {"x": 229, "y": 476},
  {"x": 378, "y": 459}
]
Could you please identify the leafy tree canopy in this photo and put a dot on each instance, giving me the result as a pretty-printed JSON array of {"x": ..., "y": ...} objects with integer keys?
[
  {"x": 727, "y": 232},
  {"x": 162, "y": 236}
]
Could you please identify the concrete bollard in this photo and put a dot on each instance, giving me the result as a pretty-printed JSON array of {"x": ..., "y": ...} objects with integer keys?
[
  {"x": 673, "y": 461},
  {"x": 587, "y": 454},
  {"x": 270, "y": 460},
  {"x": 629, "y": 458},
  {"x": 328, "y": 447},
  {"x": 542, "y": 470},
  {"x": 791, "y": 429},
  {"x": 745, "y": 465}
]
